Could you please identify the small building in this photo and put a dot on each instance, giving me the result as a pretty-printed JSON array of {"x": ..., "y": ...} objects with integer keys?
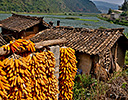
[
  {"x": 114, "y": 16},
  {"x": 22, "y": 26},
  {"x": 118, "y": 11},
  {"x": 106, "y": 47}
]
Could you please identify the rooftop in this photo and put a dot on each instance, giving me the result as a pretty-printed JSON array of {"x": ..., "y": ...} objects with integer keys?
[
  {"x": 20, "y": 22},
  {"x": 92, "y": 42}
]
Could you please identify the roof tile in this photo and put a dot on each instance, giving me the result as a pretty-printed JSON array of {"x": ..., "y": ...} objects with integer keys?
[
  {"x": 21, "y": 22},
  {"x": 92, "y": 42}
]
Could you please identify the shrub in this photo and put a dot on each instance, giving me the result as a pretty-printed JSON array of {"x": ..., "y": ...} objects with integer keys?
[
  {"x": 87, "y": 88},
  {"x": 84, "y": 87},
  {"x": 101, "y": 27},
  {"x": 123, "y": 14},
  {"x": 126, "y": 58}
]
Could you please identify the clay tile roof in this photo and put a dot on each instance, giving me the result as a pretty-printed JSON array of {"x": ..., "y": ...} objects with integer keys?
[
  {"x": 20, "y": 22},
  {"x": 92, "y": 42}
]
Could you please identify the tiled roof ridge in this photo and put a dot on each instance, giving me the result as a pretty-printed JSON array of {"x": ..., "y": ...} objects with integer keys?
[
  {"x": 27, "y": 17},
  {"x": 88, "y": 29},
  {"x": 111, "y": 29}
]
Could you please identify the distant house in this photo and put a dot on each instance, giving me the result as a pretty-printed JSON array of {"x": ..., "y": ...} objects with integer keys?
[
  {"x": 106, "y": 47},
  {"x": 114, "y": 16},
  {"x": 22, "y": 26},
  {"x": 118, "y": 11}
]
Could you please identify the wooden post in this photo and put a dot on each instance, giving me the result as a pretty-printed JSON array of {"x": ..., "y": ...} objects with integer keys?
[
  {"x": 113, "y": 65},
  {"x": 49, "y": 42},
  {"x": 117, "y": 65},
  {"x": 116, "y": 52}
]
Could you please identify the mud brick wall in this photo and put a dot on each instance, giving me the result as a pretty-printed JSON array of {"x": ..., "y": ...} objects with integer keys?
[{"x": 84, "y": 62}]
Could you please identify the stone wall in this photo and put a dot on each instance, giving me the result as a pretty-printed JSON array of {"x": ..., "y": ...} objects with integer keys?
[{"x": 56, "y": 52}]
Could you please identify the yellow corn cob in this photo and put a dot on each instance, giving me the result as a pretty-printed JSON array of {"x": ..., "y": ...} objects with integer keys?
[
  {"x": 67, "y": 72},
  {"x": 27, "y": 76},
  {"x": 4, "y": 86}
]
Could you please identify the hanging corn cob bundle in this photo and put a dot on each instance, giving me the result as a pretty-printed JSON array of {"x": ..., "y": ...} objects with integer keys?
[
  {"x": 67, "y": 73},
  {"x": 17, "y": 76},
  {"x": 38, "y": 76},
  {"x": 18, "y": 45},
  {"x": 30, "y": 76},
  {"x": 52, "y": 87},
  {"x": 4, "y": 85},
  {"x": 43, "y": 81}
]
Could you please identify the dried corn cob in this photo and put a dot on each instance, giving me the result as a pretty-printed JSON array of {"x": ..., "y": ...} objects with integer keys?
[
  {"x": 30, "y": 77},
  {"x": 52, "y": 87},
  {"x": 16, "y": 74},
  {"x": 43, "y": 82},
  {"x": 4, "y": 85},
  {"x": 67, "y": 73},
  {"x": 18, "y": 45}
]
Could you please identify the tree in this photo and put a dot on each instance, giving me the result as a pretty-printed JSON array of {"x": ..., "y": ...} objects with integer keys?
[
  {"x": 109, "y": 11},
  {"x": 123, "y": 14},
  {"x": 125, "y": 6}
]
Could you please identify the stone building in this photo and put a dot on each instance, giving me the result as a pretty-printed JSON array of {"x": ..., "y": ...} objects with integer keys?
[{"x": 106, "y": 47}]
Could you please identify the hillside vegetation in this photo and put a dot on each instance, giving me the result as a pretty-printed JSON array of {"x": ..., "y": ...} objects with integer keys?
[
  {"x": 125, "y": 6},
  {"x": 48, "y": 6}
]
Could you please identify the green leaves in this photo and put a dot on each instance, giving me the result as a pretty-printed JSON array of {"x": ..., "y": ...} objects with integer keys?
[
  {"x": 126, "y": 58},
  {"x": 124, "y": 85},
  {"x": 48, "y": 6},
  {"x": 84, "y": 87}
]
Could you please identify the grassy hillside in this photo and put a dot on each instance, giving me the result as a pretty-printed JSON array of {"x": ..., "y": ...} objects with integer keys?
[
  {"x": 48, "y": 6},
  {"x": 32, "y": 6},
  {"x": 81, "y": 6}
]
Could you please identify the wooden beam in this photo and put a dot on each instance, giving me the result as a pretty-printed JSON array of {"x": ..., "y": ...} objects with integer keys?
[
  {"x": 49, "y": 42},
  {"x": 39, "y": 45}
]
